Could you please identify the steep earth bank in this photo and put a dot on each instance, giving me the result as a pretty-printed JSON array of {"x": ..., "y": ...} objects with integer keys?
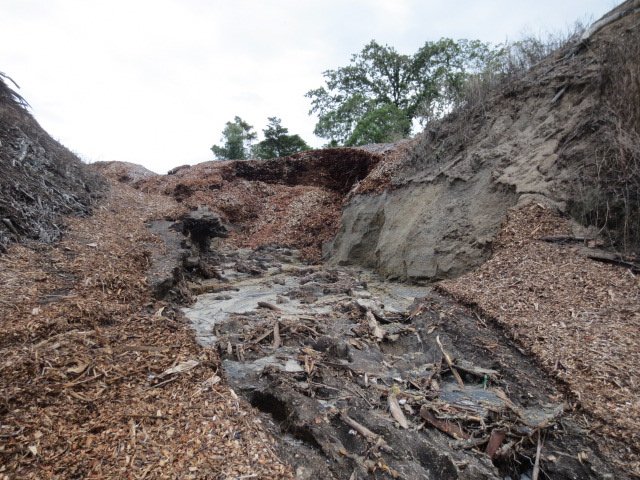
[{"x": 533, "y": 139}]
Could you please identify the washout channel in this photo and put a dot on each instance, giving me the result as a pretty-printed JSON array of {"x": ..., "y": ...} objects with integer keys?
[{"x": 357, "y": 377}]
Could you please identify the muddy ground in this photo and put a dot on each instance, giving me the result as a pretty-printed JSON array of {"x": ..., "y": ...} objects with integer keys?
[{"x": 360, "y": 378}]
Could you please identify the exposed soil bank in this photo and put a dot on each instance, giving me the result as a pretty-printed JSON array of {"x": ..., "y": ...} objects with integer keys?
[
  {"x": 542, "y": 136},
  {"x": 423, "y": 231}
]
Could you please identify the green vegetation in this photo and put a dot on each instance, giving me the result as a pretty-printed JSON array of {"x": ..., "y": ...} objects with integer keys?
[
  {"x": 277, "y": 141},
  {"x": 237, "y": 137},
  {"x": 379, "y": 94}
]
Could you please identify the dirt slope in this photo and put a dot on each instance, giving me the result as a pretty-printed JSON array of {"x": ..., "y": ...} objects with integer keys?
[
  {"x": 294, "y": 201},
  {"x": 579, "y": 318}
]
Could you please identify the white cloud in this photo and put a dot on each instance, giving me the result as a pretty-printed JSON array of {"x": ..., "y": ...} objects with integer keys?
[{"x": 154, "y": 82}]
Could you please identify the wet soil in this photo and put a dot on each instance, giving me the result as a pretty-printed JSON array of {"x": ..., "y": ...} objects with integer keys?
[{"x": 360, "y": 378}]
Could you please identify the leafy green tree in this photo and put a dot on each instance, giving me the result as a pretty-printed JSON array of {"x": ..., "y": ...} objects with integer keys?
[
  {"x": 277, "y": 141},
  {"x": 385, "y": 124},
  {"x": 236, "y": 138},
  {"x": 423, "y": 85}
]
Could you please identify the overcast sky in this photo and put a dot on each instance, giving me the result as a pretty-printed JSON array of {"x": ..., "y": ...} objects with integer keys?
[{"x": 154, "y": 81}]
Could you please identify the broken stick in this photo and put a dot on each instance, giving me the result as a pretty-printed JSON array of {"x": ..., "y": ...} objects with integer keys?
[
  {"x": 536, "y": 465},
  {"x": 396, "y": 410},
  {"x": 449, "y": 362},
  {"x": 277, "y": 341},
  {"x": 445, "y": 426},
  {"x": 269, "y": 306},
  {"x": 370, "y": 436},
  {"x": 376, "y": 331}
]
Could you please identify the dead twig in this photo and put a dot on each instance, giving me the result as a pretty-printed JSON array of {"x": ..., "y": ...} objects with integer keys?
[
  {"x": 444, "y": 426},
  {"x": 449, "y": 362},
  {"x": 536, "y": 465},
  {"x": 370, "y": 436},
  {"x": 396, "y": 410},
  {"x": 269, "y": 306},
  {"x": 376, "y": 331},
  {"x": 277, "y": 341}
]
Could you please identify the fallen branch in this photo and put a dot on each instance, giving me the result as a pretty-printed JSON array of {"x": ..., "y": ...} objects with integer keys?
[
  {"x": 609, "y": 19},
  {"x": 536, "y": 465},
  {"x": 277, "y": 342},
  {"x": 370, "y": 436},
  {"x": 449, "y": 362},
  {"x": 563, "y": 239},
  {"x": 396, "y": 410},
  {"x": 468, "y": 367},
  {"x": 270, "y": 306},
  {"x": 614, "y": 260},
  {"x": 495, "y": 440}
]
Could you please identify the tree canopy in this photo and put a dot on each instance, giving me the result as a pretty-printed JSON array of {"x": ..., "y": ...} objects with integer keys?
[
  {"x": 277, "y": 141},
  {"x": 236, "y": 139},
  {"x": 382, "y": 88}
]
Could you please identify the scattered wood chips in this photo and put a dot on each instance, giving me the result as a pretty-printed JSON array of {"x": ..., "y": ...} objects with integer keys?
[
  {"x": 579, "y": 318},
  {"x": 97, "y": 380}
]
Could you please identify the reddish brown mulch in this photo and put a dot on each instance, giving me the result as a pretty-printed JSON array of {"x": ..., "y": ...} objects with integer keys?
[
  {"x": 297, "y": 216},
  {"x": 85, "y": 385},
  {"x": 579, "y": 318}
]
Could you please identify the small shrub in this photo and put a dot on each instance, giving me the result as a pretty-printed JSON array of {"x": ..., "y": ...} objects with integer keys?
[{"x": 609, "y": 192}]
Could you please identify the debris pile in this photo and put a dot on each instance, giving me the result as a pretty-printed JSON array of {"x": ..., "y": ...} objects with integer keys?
[
  {"x": 360, "y": 379},
  {"x": 41, "y": 180},
  {"x": 294, "y": 201}
]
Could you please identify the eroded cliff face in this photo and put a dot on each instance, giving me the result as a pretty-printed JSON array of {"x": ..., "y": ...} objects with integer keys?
[
  {"x": 444, "y": 198},
  {"x": 422, "y": 231}
]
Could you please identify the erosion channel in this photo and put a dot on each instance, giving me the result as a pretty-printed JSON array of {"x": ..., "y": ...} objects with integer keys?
[{"x": 363, "y": 378}]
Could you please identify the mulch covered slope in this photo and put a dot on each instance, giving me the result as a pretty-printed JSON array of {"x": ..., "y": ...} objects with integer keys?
[
  {"x": 98, "y": 380},
  {"x": 579, "y": 318}
]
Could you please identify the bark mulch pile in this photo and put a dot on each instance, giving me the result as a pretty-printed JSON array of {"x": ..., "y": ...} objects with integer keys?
[
  {"x": 97, "y": 379},
  {"x": 579, "y": 318},
  {"x": 259, "y": 213}
]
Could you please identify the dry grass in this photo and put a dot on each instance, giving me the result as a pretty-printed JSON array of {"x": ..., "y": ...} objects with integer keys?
[
  {"x": 82, "y": 354},
  {"x": 608, "y": 194}
]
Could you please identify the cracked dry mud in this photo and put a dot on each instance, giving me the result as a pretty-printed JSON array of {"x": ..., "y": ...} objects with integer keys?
[{"x": 324, "y": 352}]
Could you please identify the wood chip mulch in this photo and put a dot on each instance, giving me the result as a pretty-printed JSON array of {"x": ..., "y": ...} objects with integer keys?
[
  {"x": 297, "y": 216},
  {"x": 580, "y": 319},
  {"x": 98, "y": 380}
]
